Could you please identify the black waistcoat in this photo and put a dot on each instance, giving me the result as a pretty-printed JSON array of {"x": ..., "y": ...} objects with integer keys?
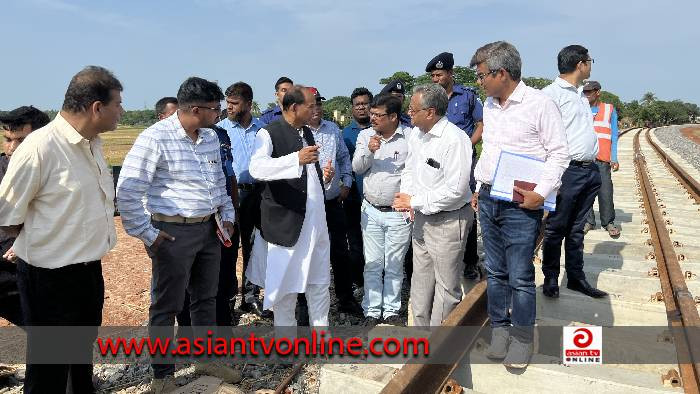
[{"x": 283, "y": 203}]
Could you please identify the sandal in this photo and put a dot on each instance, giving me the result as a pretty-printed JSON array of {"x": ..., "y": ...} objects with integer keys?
[{"x": 613, "y": 230}]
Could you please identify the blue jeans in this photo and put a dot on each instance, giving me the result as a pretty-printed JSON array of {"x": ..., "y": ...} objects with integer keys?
[
  {"x": 509, "y": 234},
  {"x": 386, "y": 237}
]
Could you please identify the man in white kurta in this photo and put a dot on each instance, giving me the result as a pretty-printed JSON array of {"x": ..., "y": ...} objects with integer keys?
[{"x": 304, "y": 267}]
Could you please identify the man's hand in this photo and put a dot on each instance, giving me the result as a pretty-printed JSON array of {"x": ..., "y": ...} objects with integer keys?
[
  {"x": 531, "y": 200},
  {"x": 475, "y": 201},
  {"x": 375, "y": 142},
  {"x": 328, "y": 172},
  {"x": 614, "y": 166},
  {"x": 10, "y": 255},
  {"x": 402, "y": 202},
  {"x": 344, "y": 193},
  {"x": 230, "y": 228},
  {"x": 308, "y": 155},
  {"x": 162, "y": 235}
]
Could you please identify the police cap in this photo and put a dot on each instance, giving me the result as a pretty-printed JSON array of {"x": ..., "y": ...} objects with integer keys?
[{"x": 443, "y": 61}]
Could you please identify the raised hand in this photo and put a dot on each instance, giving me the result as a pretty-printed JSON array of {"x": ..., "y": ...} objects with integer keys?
[{"x": 308, "y": 155}]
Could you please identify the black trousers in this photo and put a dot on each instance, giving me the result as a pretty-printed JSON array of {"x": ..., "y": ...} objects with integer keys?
[
  {"x": 226, "y": 290},
  {"x": 471, "y": 255},
  {"x": 248, "y": 215},
  {"x": 352, "y": 206},
  {"x": 191, "y": 263},
  {"x": 340, "y": 254},
  {"x": 68, "y": 296},
  {"x": 579, "y": 187}
]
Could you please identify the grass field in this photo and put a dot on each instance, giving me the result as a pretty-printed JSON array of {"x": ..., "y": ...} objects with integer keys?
[{"x": 117, "y": 143}]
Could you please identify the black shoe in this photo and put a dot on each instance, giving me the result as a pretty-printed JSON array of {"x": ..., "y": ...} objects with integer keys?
[
  {"x": 371, "y": 321},
  {"x": 254, "y": 307},
  {"x": 351, "y": 307},
  {"x": 395, "y": 320},
  {"x": 550, "y": 288},
  {"x": 584, "y": 287}
]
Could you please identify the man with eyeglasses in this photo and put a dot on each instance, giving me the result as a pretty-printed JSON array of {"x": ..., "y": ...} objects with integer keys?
[
  {"x": 380, "y": 158},
  {"x": 435, "y": 188},
  {"x": 581, "y": 180},
  {"x": 466, "y": 112},
  {"x": 521, "y": 120},
  {"x": 176, "y": 163},
  {"x": 360, "y": 100},
  {"x": 16, "y": 126},
  {"x": 282, "y": 85},
  {"x": 605, "y": 124}
]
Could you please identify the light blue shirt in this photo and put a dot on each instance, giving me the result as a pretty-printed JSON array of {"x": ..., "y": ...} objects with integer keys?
[
  {"x": 177, "y": 175},
  {"x": 577, "y": 118},
  {"x": 242, "y": 145},
  {"x": 333, "y": 148}
]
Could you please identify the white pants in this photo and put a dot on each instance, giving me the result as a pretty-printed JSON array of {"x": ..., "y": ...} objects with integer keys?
[{"x": 319, "y": 301}]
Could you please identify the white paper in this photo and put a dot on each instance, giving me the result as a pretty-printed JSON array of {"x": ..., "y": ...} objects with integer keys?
[{"x": 513, "y": 166}]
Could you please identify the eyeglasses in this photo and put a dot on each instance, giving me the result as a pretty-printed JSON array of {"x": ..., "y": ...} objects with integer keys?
[
  {"x": 360, "y": 105},
  {"x": 217, "y": 109},
  {"x": 376, "y": 115},
  {"x": 481, "y": 76},
  {"x": 415, "y": 111},
  {"x": 589, "y": 60}
]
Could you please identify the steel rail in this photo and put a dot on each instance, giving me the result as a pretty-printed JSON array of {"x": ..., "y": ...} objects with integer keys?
[
  {"x": 431, "y": 378},
  {"x": 691, "y": 185},
  {"x": 681, "y": 311}
]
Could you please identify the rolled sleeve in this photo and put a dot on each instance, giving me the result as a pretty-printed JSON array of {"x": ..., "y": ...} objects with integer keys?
[{"x": 19, "y": 186}]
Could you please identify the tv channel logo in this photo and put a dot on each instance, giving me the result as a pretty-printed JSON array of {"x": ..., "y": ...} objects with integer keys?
[{"x": 582, "y": 345}]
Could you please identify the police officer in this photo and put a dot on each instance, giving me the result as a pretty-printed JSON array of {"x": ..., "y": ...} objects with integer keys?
[
  {"x": 282, "y": 85},
  {"x": 398, "y": 88},
  {"x": 465, "y": 111}
]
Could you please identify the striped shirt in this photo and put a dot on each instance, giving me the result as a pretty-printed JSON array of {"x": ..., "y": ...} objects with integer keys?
[
  {"x": 333, "y": 148},
  {"x": 178, "y": 177}
]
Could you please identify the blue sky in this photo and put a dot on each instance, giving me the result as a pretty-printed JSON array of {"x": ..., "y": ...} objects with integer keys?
[{"x": 153, "y": 46}]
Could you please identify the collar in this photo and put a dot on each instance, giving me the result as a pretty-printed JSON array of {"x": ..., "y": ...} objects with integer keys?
[
  {"x": 356, "y": 126},
  {"x": 565, "y": 84},
  {"x": 254, "y": 122},
  {"x": 459, "y": 89},
  {"x": 399, "y": 130},
  {"x": 68, "y": 131},
  {"x": 203, "y": 134},
  {"x": 439, "y": 127},
  {"x": 517, "y": 95}
]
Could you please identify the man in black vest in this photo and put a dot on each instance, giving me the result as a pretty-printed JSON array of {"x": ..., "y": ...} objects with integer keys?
[{"x": 293, "y": 218}]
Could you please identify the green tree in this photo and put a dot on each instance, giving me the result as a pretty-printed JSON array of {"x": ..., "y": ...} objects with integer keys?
[
  {"x": 255, "y": 109},
  {"x": 271, "y": 105},
  {"x": 648, "y": 98},
  {"x": 537, "y": 83},
  {"x": 403, "y": 76},
  {"x": 340, "y": 106}
]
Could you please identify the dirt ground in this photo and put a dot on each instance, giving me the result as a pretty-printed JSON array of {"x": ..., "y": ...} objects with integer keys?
[
  {"x": 692, "y": 133},
  {"x": 127, "y": 275}
]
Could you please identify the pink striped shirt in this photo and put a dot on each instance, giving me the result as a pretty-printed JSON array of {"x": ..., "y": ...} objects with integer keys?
[{"x": 530, "y": 124}]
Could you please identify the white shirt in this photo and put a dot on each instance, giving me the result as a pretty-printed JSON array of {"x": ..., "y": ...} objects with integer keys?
[
  {"x": 58, "y": 184},
  {"x": 444, "y": 186},
  {"x": 577, "y": 117},
  {"x": 529, "y": 123}
]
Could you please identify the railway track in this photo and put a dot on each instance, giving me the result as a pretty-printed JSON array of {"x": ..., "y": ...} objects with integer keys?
[{"x": 650, "y": 271}]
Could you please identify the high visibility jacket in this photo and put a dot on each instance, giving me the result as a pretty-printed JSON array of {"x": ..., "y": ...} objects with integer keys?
[{"x": 603, "y": 129}]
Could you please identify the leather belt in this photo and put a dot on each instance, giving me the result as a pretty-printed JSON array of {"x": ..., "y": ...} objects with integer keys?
[
  {"x": 159, "y": 217},
  {"x": 381, "y": 208},
  {"x": 579, "y": 163}
]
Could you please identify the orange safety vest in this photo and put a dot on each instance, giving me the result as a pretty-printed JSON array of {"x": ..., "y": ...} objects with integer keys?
[{"x": 603, "y": 129}]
